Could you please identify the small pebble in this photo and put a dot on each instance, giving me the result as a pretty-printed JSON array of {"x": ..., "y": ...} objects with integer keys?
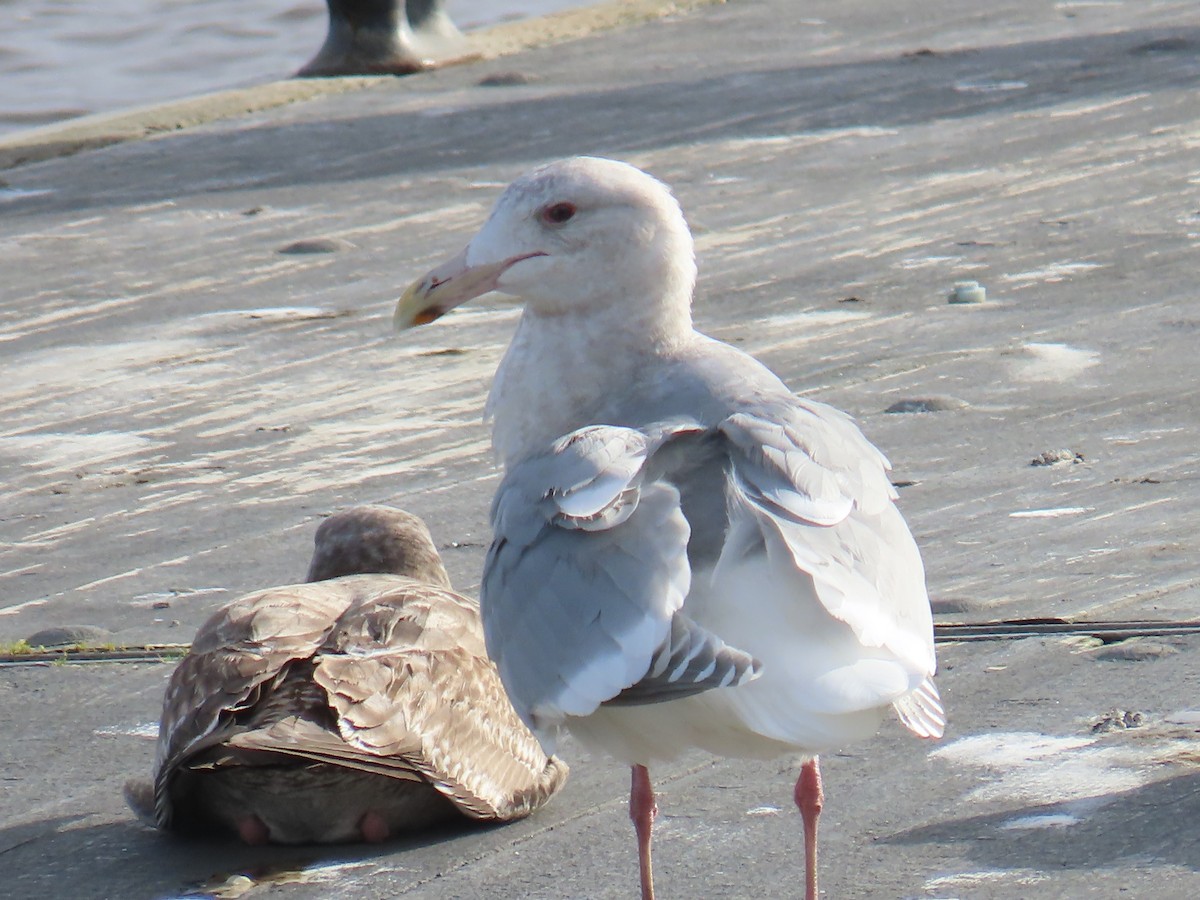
[
  {"x": 968, "y": 292},
  {"x": 232, "y": 887},
  {"x": 941, "y": 606},
  {"x": 1136, "y": 650},
  {"x": 316, "y": 245},
  {"x": 505, "y": 79},
  {"x": 1184, "y": 717},
  {"x": 1053, "y": 457},
  {"x": 926, "y": 405},
  {"x": 1118, "y": 720},
  {"x": 1164, "y": 45},
  {"x": 70, "y": 636}
]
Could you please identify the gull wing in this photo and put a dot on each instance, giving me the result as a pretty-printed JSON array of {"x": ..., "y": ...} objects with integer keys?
[
  {"x": 412, "y": 687},
  {"x": 586, "y": 576},
  {"x": 819, "y": 494},
  {"x": 236, "y": 655}
]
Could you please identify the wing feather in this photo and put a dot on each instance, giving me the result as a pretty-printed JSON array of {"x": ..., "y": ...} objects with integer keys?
[
  {"x": 409, "y": 679},
  {"x": 817, "y": 488},
  {"x": 585, "y": 582},
  {"x": 238, "y": 651},
  {"x": 921, "y": 711},
  {"x": 393, "y": 674},
  {"x": 690, "y": 661},
  {"x": 586, "y": 575}
]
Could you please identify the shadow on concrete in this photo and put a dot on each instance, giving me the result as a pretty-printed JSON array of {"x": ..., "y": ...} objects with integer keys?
[
  {"x": 55, "y": 858},
  {"x": 1154, "y": 822},
  {"x": 917, "y": 88}
]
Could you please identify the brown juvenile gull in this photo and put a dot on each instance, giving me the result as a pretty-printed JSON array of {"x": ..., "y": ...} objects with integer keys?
[
  {"x": 685, "y": 554},
  {"x": 347, "y": 709}
]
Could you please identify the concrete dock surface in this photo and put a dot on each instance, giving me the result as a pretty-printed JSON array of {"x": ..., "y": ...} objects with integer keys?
[{"x": 197, "y": 364}]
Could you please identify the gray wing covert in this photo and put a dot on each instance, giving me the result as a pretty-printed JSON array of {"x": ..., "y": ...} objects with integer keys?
[
  {"x": 585, "y": 578},
  {"x": 820, "y": 494}
]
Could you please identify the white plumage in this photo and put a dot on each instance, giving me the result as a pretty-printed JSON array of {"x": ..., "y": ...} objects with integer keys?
[{"x": 685, "y": 554}]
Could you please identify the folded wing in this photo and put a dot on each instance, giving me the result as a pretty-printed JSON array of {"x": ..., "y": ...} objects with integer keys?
[
  {"x": 585, "y": 579},
  {"x": 818, "y": 494}
]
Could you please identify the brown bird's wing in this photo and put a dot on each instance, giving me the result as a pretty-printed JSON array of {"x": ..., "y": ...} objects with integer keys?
[
  {"x": 236, "y": 656},
  {"x": 408, "y": 676},
  {"x": 302, "y": 739}
]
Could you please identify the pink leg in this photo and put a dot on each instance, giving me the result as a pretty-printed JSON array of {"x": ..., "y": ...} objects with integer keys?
[
  {"x": 810, "y": 798},
  {"x": 642, "y": 809},
  {"x": 253, "y": 830},
  {"x": 374, "y": 828}
]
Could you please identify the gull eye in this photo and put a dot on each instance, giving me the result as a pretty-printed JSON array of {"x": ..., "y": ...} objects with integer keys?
[{"x": 557, "y": 213}]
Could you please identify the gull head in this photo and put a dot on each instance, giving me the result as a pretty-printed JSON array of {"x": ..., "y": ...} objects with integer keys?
[
  {"x": 368, "y": 540},
  {"x": 577, "y": 235}
]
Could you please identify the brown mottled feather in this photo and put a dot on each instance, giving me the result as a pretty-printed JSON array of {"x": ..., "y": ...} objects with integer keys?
[
  {"x": 383, "y": 706},
  {"x": 311, "y": 704}
]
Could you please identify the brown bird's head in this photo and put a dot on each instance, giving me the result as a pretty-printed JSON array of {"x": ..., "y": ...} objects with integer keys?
[{"x": 376, "y": 540}]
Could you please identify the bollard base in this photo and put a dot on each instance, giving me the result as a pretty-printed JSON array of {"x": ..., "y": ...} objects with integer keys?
[{"x": 386, "y": 37}]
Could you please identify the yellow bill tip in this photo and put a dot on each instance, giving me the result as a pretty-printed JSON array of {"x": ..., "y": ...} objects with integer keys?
[{"x": 425, "y": 316}]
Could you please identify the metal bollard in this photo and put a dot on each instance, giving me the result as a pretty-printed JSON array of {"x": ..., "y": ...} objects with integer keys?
[{"x": 385, "y": 37}]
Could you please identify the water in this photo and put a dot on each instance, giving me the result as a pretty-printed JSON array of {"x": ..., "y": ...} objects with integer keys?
[{"x": 65, "y": 58}]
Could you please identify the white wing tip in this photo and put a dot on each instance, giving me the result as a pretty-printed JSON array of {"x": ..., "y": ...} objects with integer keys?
[{"x": 921, "y": 711}]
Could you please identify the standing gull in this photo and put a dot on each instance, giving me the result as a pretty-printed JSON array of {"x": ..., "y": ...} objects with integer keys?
[
  {"x": 685, "y": 554},
  {"x": 347, "y": 709}
]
